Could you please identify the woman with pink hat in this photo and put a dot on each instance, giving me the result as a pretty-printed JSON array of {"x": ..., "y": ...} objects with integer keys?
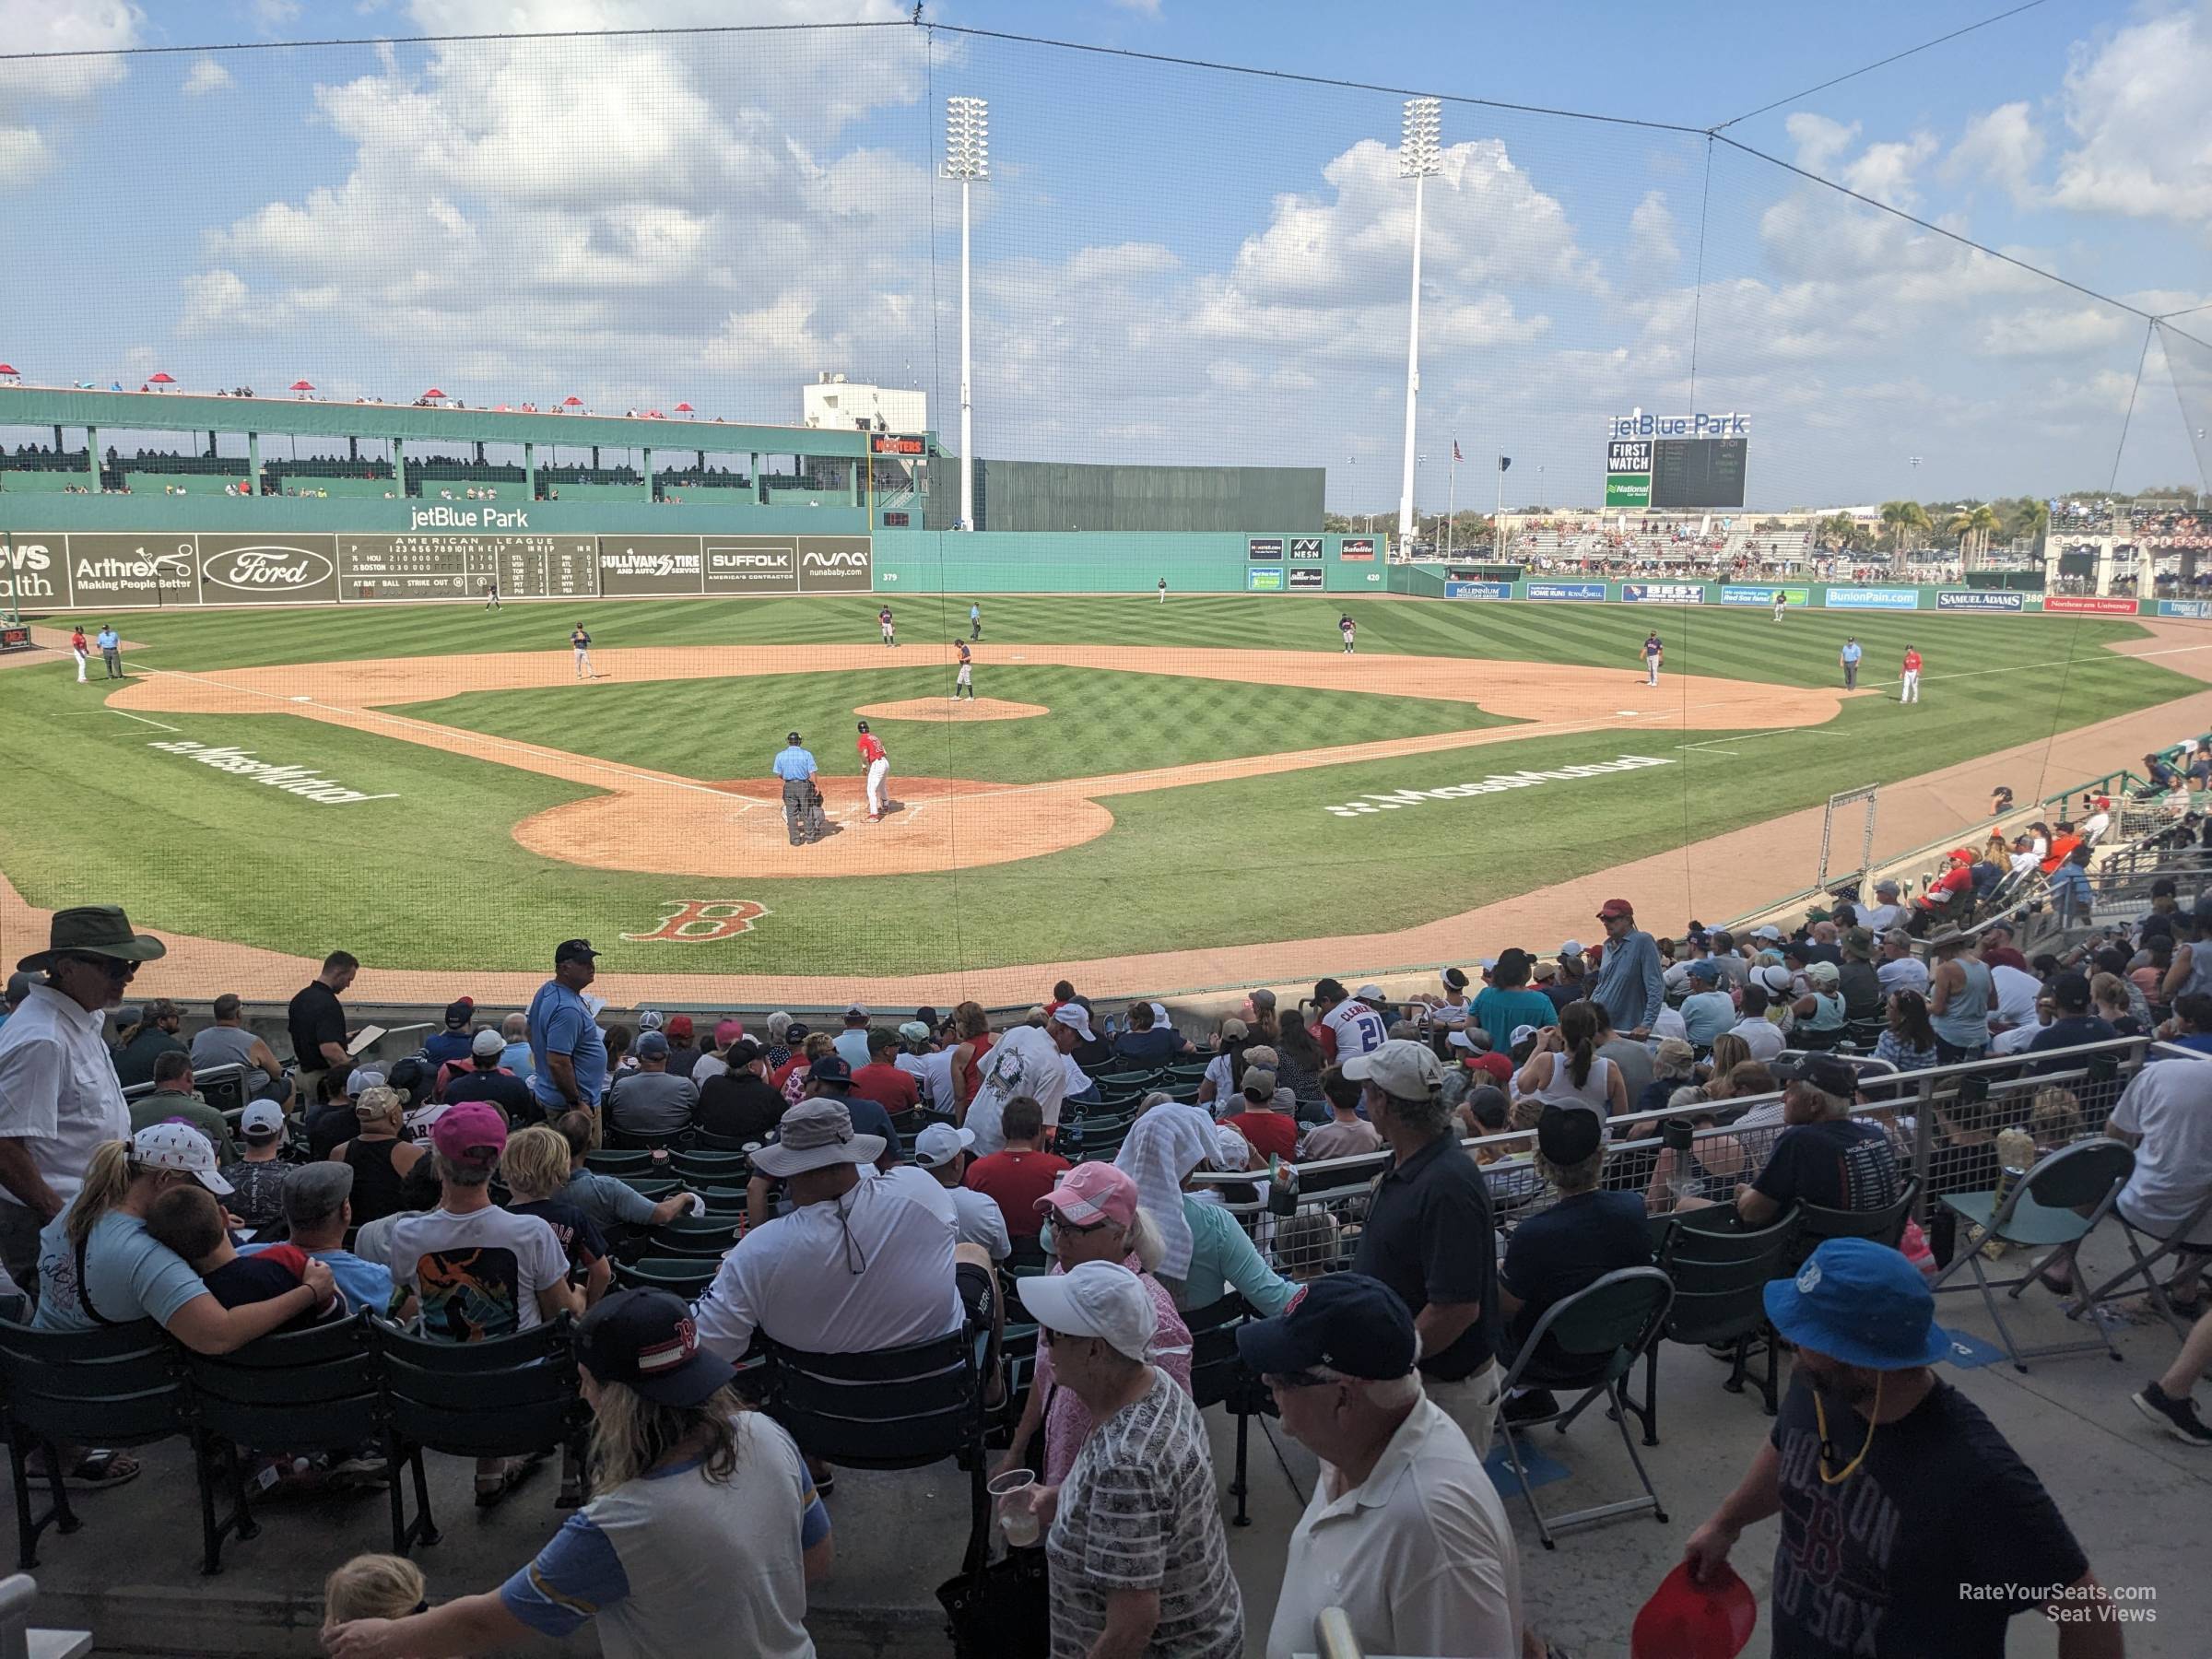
[{"x": 1093, "y": 1216}]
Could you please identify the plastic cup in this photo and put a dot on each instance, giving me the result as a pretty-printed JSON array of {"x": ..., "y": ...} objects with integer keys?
[{"x": 1018, "y": 1520}]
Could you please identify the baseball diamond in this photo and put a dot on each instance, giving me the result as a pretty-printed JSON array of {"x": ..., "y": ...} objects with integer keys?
[{"x": 1176, "y": 769}]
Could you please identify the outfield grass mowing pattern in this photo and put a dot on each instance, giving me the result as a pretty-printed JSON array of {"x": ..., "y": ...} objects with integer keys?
[{"x": 434, "y": 879}]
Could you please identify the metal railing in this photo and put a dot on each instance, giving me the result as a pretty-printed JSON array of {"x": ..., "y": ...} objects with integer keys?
[{"x": 1941, "y": 1123}]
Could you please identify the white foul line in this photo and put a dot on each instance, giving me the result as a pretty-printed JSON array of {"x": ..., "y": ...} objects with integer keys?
[
  {"x": 2098, "y": 656},
  {"x": 425, "y": 725}
]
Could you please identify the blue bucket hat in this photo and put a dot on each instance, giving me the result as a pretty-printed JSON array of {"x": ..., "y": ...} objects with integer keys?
[{"x": 1862, "y": 1303}]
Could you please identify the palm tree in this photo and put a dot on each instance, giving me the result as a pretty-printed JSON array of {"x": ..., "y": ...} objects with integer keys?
[
  {"x": 1900, "y": 520},
  {"x": 1973, "y": 529}
]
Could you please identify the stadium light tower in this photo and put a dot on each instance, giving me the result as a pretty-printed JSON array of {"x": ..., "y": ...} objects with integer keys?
[
  {"x": 1420, "y": 156},
  {"x": 967, "y": 159}
]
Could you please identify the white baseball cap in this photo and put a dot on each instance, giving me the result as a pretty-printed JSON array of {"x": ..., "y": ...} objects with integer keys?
[
  {"x": 1769, "y": 932},
  {"x": 1076, "y": 1018},
  {"x": 263, "y": 1121},
  {"x": 362, "y": 1076},
  {"x": 1571, "y": 947},
  {"x": 1408, "y": 1070},
  {"x": 1368, "y": 993},
  {"x": 178, "y": 1146},
  {"x": 1098, "y": 1299},
  {"x": 488, "y": 1044},
  {"x": 940, "y": 1144}
]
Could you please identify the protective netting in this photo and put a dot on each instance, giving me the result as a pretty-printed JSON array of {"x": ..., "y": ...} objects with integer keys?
[{"x": 1173, "y": 265}]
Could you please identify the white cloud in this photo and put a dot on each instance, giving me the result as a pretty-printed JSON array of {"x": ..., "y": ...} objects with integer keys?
[
  {"x": 2052, "y": 331},
  {"x": 23, "y": 155},
  {"x": 213, "y": 300},
  {"x": 1818, "y": 140},
  {"x": 2139, "y": 108},
  {"x": 1884, "y": 173},
  {"x": 2004, "y": 146},
  {"x": 1651, "y": 234},
  {"x": 207, "y": 75},
  {"x": 35, "y": 93}
]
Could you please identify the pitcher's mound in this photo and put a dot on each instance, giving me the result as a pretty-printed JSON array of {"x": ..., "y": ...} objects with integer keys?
[{"x": 947, "y": 707}]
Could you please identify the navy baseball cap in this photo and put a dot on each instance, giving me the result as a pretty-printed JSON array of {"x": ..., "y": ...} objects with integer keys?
[
  {"x": 573, "y": 950},
  {"x": 646, "y": 1340},
  {"x": 830, "y": 1068},
  {"x": 1346, "y": 1322},
  {"x": 1862, "y": 1303}
]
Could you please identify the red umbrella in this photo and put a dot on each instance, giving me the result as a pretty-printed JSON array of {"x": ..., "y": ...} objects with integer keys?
[
  {"x": 571, "y": 401},
  {"x": 433, "y": 392},
  {"x": 8, "y": 369},
  {"x": 301, "y": 385},
  {"x": 684, "y": 409},
  {"x": 159, "y": 379}
]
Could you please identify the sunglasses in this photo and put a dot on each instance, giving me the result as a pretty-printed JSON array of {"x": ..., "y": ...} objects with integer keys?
[
  {"x": 112, "y": 967},
  {"x": 1276, "y": 1384}
]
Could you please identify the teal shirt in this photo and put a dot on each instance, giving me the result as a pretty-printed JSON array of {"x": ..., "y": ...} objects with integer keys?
[
  {"x": 1499, "y": 1012},
  {"x": 1224, "y": 1259}
]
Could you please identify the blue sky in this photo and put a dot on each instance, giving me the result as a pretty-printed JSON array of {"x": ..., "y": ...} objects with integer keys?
[{"x": 1171, "y": 263}]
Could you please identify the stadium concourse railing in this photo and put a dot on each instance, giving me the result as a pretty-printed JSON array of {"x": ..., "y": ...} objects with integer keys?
[{"x": 1942, "y": 1124}]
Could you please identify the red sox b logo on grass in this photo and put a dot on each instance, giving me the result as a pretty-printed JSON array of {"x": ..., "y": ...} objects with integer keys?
[{"x": 701, "y": 921}]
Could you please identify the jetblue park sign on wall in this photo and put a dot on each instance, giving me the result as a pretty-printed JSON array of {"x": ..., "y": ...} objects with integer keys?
[
  {"x": 1641, "y": 424},
  {"x": 131, "y": 569}
]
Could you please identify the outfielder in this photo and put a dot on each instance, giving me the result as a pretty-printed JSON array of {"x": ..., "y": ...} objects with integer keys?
[
  {"x": 80, "y": 650},
  {"x": 1347, "y": 628},
  {"x": 1909, "y": 689},
  {"x": 582, "y": 643},
  {"x": 1163, "y": 589},
  {"x": 491, "y": 595},
  {"x": 890, "y": 634},
  {"x": 1653, "y": 654},
  {"x": 879, "y": 767},
  {"x": 802, "y": 797},
  {"x": 975, "y": 620},
  {"x": 1781, "y": 600},
  {"x": 964, "y": 680}
]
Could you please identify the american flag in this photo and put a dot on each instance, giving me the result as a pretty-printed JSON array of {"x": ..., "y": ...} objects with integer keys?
[{"x": 1455, "y": 454}]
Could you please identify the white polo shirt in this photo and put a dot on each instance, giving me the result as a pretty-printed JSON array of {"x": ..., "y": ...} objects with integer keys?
[
  {"x": 58, "y": 1092},
  {"x": 2170, "y": 1105},
  {"x": 1761, "y": 1036},
  {"x": 871, "y": 1270},
  {"x": 934, "y": 1072},
  {"x": 1419, "y": 1555}
]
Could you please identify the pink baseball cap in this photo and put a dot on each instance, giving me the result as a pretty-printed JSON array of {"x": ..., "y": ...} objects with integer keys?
[
  {"x": 1092, "y": 1193},
  {"x": 727, "y": 1031},
  {"x": 472, "y": 1133}
]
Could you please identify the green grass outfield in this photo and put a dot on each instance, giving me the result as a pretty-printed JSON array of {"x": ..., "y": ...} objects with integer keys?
[{"x": 433, "y": 879}]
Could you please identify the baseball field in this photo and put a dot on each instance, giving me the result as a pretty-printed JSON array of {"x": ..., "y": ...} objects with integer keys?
[{"x": 435, "y": 789}]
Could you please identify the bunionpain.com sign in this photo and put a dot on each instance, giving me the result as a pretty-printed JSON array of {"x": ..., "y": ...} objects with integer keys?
[{"x": 1871, "y": 598}]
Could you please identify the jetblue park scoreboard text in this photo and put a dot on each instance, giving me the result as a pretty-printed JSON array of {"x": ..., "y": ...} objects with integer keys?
[
  {"x": 124, "y": 571},
  {"x": 1676, "y": 462}
]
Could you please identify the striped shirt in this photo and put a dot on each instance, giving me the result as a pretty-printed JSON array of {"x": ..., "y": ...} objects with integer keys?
[{"x": 1138, "y": 1511}]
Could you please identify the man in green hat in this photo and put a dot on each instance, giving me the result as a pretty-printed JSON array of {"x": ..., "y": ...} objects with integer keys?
[{"x": 59, "y": 1098}]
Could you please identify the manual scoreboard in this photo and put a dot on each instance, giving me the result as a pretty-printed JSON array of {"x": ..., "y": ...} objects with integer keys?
[{"x": 1677, "y": 464}]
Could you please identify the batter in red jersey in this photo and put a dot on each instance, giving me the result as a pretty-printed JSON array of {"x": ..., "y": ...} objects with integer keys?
[
  {"x": 879, "y": 768},
  {"x": 1909, "y": 688}
]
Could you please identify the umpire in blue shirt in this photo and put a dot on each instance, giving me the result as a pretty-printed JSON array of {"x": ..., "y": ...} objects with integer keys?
[{"x": 802, "y": 800}]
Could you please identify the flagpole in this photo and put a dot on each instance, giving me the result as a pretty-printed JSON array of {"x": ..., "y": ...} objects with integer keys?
[{"x": 1452, "y": 497}]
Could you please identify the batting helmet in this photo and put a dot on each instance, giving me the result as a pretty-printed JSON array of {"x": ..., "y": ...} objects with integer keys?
[{"x": 864, "y": 725}]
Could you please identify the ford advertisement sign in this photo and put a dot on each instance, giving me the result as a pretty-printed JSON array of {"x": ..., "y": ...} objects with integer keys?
[
  {"x": 1871, "y": 598},
  {"x": 1584, "y": 591},
  {"x": 1979, "y": 599},
  {"x": 1478, "y": 590}
]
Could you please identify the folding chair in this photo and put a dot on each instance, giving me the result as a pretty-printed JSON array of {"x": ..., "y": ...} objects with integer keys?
[
  {"x": 1720, "y": 1277},
  {"x": 2144, "y": 1267},
  {"x": 894, "y": 1408},
  {"x": 1601, "y": 1330},
  {"x": 116, "y": 1386},
  {"x": 513, "y": 1396},
  {"x": 2043, "y": 1209},
  {"x": 288, "y": 1391},
  {"x": 1815, "y": 1225},
  {"x": 1219, "y": 1377}
]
